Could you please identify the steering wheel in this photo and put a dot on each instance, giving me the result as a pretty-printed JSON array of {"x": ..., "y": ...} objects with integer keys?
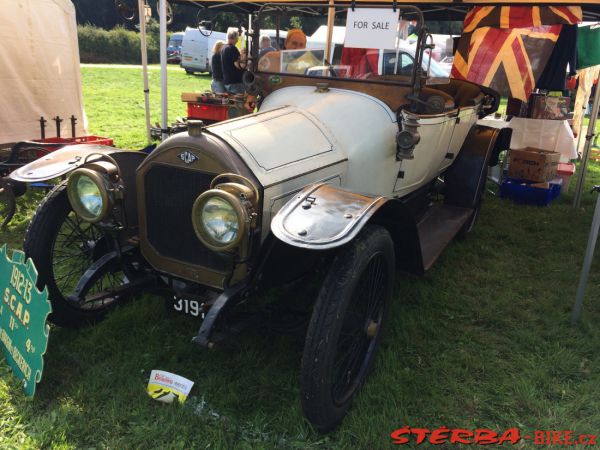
[
  {"x": 205, "y": 26},
  {"x": 169, "y": 12},
  {"x": 125, "y": 9}
]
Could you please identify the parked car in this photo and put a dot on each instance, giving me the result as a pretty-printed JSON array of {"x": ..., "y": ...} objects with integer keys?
[
  {"x": 335, "y": 182},
  {"x": 388, "y": 62},
  {"x": 196, "y": 49},
  {"x": 174, "y": 48},
  {"x": 446, "y": 63}
]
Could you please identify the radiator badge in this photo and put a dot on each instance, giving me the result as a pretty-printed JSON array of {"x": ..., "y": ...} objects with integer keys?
[{"x": 188, "y": 157}]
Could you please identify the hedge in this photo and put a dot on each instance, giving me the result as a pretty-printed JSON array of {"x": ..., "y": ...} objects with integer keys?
[{"x": 97, "y": 45}]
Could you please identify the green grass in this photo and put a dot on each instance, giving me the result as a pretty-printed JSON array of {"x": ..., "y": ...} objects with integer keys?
[
  {"x": 482, "y": 340},
  {"x": 114, "y": 101}
]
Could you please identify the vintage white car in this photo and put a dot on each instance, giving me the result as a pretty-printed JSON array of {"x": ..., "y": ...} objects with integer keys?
[{"x": 344, "y": 178}]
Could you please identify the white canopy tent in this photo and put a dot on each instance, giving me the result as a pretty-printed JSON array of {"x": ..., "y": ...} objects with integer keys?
[{"x": 39, "y": 69}]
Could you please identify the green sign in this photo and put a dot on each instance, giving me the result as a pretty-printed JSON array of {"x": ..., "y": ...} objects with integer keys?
[
  {"x": 275, "y": 79},
  {"x": 23, "y": 312}
]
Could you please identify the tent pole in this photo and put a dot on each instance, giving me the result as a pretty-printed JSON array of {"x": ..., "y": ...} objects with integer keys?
[
  {"x": 330, "y": 23},
  {"x": 580, "y": 129},
  {"x": 587, "y": 263},
  {"x": 163, "y": 68},
  {"x": 142, "y": 16},
  {"x": 591, "y": 131}
]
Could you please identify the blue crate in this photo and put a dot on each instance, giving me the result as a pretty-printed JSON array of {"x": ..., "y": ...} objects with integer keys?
[{"x": 521, "y": 192}]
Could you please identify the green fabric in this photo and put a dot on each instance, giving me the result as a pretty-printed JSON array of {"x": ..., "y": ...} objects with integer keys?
[{"x": 588, "y": 46}]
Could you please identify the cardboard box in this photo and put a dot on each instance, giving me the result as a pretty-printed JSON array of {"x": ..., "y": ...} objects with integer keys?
[
  {"x": 190, "y": 96},
  {"x": 533, "y": 164},
  {"x": 553, "y": 108},
  {"x": 516, "y": 108}
]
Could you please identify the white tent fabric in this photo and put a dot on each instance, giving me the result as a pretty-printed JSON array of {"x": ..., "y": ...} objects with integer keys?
[
  {"x": 586, "y": 80},
  {"x": 39, "y": 69}
]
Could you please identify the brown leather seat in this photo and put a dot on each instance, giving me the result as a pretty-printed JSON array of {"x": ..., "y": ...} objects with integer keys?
[{"x": 463, "y": 92}]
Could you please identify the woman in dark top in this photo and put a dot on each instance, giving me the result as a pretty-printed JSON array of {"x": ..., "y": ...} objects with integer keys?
[{"x": 216, "y": 84}]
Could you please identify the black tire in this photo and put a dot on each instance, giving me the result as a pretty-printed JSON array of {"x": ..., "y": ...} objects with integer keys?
[
  {"x": 62, "y": 248},
  {"x": 348, "y": 315}
]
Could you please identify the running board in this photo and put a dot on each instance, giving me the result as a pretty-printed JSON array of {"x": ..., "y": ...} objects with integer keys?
[{"x": 437, "y": 228}]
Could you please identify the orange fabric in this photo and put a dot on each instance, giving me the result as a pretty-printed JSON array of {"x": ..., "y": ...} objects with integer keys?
[
  {"x": 507, "y": 48},
  {"x": 520, "y": 16}
]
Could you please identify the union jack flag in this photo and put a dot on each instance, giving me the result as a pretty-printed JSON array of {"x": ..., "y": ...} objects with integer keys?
[{"x": 507, "y": 48}]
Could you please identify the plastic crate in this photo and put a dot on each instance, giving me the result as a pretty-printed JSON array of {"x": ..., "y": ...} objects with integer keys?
[
  {"x": 522, "y": 192},
  {"x": 208, "y": 112},
  {"x": 565, "y": 172},
  {"x": 98, "y": 140}
]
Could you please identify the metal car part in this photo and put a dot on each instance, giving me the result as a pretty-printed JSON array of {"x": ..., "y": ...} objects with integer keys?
[
  {"x": 324, "y": 217},
  {"x": 242, "y": 215},
  {"x": 105, "y": 179},
  {"x": 168, "y": 183},
  {"x": 59, "y": 162}
]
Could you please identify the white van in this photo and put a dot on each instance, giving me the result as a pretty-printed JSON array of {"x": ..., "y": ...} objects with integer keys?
[{"x": 196, "y": 49}]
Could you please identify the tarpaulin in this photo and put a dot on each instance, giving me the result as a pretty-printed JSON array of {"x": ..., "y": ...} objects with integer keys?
[
  {"x": 520, "y": 16},
  {"x": 588, "y": 47},
  {"x": 39, "y": 69},
  {"x": 506, "y": 48}
]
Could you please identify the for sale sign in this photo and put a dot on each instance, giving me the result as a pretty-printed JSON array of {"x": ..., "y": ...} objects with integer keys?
[
  {"x": 372, "y": 28},
  {"x": 23, "y": 313}
]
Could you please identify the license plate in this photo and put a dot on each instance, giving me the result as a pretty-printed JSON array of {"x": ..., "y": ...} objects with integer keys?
[{"x": 188, "y": 306}]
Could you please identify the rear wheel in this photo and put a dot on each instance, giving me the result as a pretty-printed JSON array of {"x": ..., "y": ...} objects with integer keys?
[
  {"x": 345, "y": 327},
  {"x": 63, "y": 247}
]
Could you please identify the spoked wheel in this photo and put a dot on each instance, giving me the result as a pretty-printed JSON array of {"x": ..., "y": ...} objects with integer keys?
[
  {"x": 63, "y": 247},
  {"x": 345, "y": 328},
  {"x": 126, "y": 9}
]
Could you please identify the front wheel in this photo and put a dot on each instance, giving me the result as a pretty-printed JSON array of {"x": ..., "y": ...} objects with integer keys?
[
  {"x": 345, "y": 327},
  {"x": 63, "y": 247}
]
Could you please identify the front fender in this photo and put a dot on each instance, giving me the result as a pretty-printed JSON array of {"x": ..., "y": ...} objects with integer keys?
[
  {"x": 60, "y": 162},
  {"x": 323, "y": 216}
]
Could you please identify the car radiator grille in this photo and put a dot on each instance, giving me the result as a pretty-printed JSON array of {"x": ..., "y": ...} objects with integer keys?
[{"x": 170, "y": 194}]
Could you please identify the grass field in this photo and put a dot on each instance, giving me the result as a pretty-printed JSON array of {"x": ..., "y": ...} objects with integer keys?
[{"x": 481, "y": 341}]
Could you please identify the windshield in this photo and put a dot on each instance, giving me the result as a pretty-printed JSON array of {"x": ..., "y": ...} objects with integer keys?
[
  {"x": 352, "y": 55},
  {"x": 175, "y": 41}
]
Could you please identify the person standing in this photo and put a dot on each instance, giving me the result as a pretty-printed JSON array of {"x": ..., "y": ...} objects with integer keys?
[
  {"x": 295, "y": 39},
  {"x": 217, "y": 85},
  {"x": 230, "y": 62},
  {"x": 265, "y": 46}
]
